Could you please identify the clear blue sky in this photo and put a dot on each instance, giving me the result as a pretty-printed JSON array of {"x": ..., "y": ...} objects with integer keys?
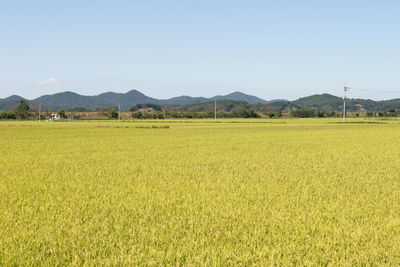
[{"x": 272, "y": 49}]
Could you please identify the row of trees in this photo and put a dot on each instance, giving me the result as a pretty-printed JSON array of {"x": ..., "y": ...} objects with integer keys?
[
  {"x": 23, "y": 111},
  {"x": 310, "y": 113},
  {"x": 242, "y": 113},
  {"x": 391, "y": 113},
  {"x": 10, "y": 115}
]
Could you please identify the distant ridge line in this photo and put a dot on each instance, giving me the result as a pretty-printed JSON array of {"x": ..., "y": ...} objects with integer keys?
[
  {"x": 70, "y": 100},
  {"x": 320, "y": 102}
]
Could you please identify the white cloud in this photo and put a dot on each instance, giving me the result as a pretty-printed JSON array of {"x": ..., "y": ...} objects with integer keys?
[{"x": 51, "y": 81}]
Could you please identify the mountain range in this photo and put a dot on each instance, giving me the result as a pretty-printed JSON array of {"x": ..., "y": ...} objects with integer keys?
[
  {"x": 321, "y": 102},
  {"x": 71, "y": 100}
]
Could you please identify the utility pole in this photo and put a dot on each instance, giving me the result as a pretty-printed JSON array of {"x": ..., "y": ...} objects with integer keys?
[
  {"x": 344, "y": 101},
  {"x": 119, "y": 112},
  {"x": 40, "y": 107},
  {"x": 215, "y": 111}
]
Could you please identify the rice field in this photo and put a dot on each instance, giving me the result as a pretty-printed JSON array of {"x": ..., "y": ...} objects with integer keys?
[{"x": 236, "y": 192}]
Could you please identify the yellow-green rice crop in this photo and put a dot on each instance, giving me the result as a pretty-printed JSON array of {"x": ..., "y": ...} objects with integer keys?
[{"x": 247, "y": 192}]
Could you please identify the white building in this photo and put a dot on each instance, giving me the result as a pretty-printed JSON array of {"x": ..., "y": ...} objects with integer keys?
[{"x": 55, "y": 117}]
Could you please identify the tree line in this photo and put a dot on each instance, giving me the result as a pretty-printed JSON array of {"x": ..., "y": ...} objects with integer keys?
[
  {"x": 241, "y": 113},
  {"x": 153, "y": 111}
]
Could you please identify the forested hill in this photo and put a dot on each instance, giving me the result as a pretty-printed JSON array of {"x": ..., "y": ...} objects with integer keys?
[{"x": 327, "y": 102}]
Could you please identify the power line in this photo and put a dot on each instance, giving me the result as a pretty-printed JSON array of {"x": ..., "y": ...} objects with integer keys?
[
  {"x": 375, "y": 91},
  {"x": 365, "y": 90}
]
